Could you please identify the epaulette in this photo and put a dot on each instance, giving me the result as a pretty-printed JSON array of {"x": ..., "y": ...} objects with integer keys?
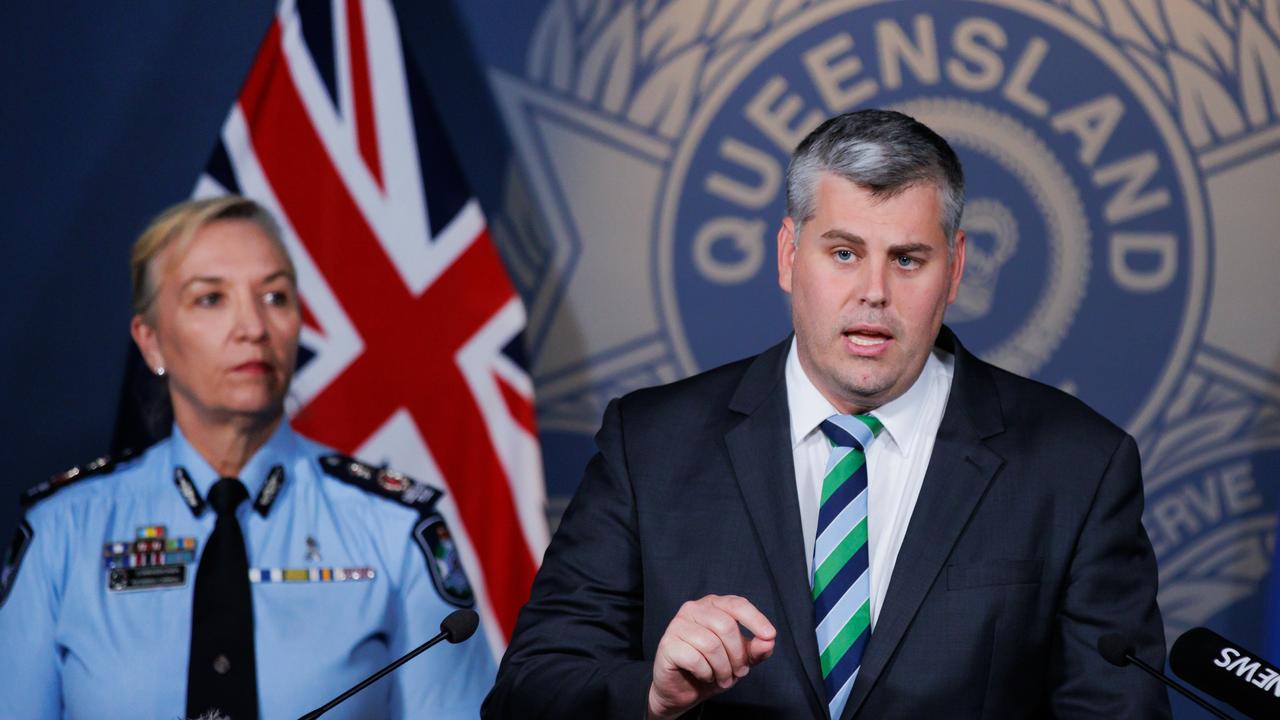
[
  {"x": 381, "y": 481},
  {"x": 101, "y": 466},
  {"x": 431, "y": 533}
]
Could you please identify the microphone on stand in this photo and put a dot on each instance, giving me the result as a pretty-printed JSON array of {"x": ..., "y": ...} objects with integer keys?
[
  {"x": 1227, "y": 671},
  {"x": 1119, "y": 652},
  {"x": 456, "y": 627}
]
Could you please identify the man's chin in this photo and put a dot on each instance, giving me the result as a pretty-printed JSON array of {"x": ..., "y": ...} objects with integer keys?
[{"x": 868, "y": 393}]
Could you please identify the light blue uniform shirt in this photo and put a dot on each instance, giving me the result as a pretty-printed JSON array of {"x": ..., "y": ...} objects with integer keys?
[{"x": 71, "y": 647}]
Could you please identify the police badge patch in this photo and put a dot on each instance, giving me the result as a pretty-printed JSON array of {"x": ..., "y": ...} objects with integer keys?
[
  {"x": 443, "y": 561},
  {"x": 13, "y": 558}
]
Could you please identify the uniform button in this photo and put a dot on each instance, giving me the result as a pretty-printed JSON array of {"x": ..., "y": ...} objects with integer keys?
[{"x": 221, "y": 665}]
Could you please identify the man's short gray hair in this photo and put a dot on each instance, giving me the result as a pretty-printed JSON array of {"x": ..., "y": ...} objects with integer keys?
[{"x": 881, "y": 151}]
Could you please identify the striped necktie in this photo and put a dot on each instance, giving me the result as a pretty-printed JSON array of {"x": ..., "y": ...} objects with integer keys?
[{"x": 841, "y": 566}]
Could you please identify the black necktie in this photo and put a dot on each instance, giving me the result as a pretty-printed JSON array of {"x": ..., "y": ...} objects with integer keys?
[{"x": 221, "y": 673}]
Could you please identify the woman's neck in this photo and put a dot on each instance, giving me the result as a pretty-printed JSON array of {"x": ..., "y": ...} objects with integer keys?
[{"x": 226, "y": 443}]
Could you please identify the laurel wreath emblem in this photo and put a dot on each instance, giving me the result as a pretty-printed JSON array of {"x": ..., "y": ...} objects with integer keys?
[
  {"x": 1215, "y": 63},
  {"x": 1212, "y": 573},
  {"x": 650, "y": 62}
]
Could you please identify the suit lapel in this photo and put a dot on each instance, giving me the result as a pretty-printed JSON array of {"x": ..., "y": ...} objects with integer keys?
[
  {"x": 959, "y": 471},
  {"x": 759, "y": 450}
]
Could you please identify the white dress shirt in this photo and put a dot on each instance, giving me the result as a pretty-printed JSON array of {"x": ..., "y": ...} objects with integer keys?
[{"x": 896, "y": 461}]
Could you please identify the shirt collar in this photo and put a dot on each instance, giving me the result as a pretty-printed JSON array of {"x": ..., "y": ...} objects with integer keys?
[
  {"x": 901, "y": 416},
  {"x": 276, "y": 451},
  {"x": 808, "y": 407},
  {"x": 806, "y": 404}
]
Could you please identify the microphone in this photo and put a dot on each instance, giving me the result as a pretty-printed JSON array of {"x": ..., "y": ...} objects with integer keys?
[
  {"x": 1119, "y": 652},
  {"x": 456, "y": 627},
  {"x": 1228, "y": 672},
  {"x": 459, "y": 625}
]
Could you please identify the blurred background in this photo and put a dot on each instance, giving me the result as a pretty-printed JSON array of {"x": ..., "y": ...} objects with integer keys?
[{"x": 1122, "y": 159}]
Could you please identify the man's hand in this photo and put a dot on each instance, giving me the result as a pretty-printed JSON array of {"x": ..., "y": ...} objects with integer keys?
[{"x": 703, "y": 653}]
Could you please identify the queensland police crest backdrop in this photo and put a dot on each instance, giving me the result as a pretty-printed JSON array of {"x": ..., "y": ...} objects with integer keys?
[
  {"x": 1123, "y": 165},
  {"x": 1123, "y": 162}
]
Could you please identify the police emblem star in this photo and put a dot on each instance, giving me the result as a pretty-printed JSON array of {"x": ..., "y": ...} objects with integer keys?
[{"x": 1109, "y": 148}]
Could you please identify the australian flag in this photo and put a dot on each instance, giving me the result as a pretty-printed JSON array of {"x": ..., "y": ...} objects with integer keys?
[{"x": 411, "y": 328}]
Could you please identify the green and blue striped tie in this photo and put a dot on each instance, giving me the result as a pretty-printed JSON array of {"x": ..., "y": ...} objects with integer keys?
[{"x": 841, "y": 565}]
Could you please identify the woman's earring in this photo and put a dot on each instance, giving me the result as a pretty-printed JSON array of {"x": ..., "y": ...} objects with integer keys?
[{"x": 159, "y": 372}]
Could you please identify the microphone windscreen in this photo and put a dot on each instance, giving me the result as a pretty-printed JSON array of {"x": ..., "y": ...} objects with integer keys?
[
  {"x": 1114, "y": 648},
  {"x": 1227, "y": 671},
  {"x": 459, "y": 625}
]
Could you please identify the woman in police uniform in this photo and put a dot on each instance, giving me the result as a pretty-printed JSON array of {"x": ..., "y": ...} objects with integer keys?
[{"x": 236, "y": 565}]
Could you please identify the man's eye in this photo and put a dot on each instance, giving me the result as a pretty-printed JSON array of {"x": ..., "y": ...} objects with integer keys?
[
  {"x": 209, "y": 299},
  {"x": 844, "y": 255},
  {"x": 906, "y": 261}
]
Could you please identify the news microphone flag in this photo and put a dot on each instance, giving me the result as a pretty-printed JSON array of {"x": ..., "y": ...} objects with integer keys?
[
  {"x": 1228, "y": 672},
  {"x": 411, "y": 341}
]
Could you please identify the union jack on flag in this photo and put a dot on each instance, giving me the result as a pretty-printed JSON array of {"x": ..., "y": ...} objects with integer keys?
[{"x": 411, "y": 327}]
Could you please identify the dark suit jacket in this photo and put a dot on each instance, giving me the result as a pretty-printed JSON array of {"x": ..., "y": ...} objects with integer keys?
[{"x": 1025, "y": 546}]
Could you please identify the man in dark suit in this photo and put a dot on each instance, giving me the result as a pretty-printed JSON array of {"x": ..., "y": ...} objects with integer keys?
[{"x": 863, "y": 521}]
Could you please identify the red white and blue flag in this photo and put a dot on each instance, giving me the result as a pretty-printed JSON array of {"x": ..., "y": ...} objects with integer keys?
[{"x": 411, "y": 328}]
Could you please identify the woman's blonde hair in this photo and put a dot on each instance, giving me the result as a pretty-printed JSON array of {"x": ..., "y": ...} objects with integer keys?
[{"x": 176, "y": 226}]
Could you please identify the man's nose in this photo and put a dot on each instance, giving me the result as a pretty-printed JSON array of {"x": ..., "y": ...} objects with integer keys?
[{"x": 873, "y": 289}]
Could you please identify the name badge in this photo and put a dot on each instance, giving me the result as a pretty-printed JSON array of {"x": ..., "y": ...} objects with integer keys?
[
  {"x": 149, "y": 561},
  {"x": 146, "y": 578}
]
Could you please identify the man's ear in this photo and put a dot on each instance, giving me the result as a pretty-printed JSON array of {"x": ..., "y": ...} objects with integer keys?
[
  {"x": 957, "y": 266},
  {"x": 786, "y": 252},
  {"x": 145, "y": 337}
]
